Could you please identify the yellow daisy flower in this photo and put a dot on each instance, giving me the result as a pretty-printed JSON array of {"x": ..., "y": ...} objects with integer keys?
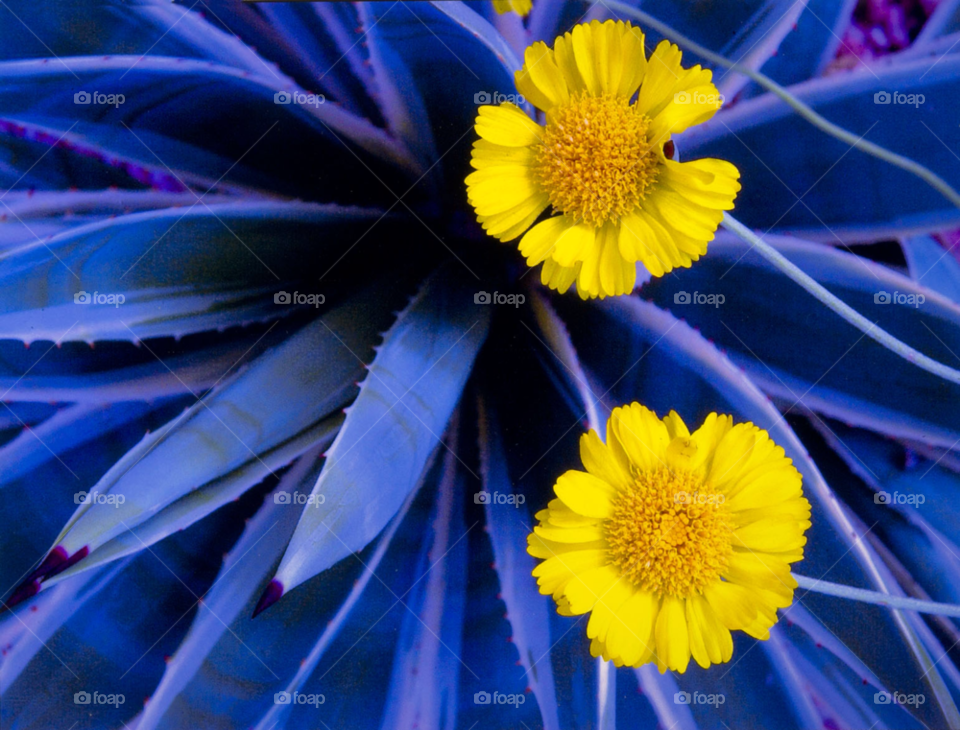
[
  {"x": 670, "y": 539},
  {"x": 520, "y": 7},
  {"x": 602, "y": 163}
]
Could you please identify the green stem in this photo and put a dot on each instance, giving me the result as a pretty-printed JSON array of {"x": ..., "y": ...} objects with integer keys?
[
  {"x": 904, "y": 163},
  {"x": 870, "y": 329},
  {"x": 880, "y": 599}
]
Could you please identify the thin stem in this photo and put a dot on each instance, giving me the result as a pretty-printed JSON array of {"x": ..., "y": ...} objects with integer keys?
[
  {"x": 880, "y": 599},
  {"x": 904, "y": 163},
  {"x": 870, "y": 329}
]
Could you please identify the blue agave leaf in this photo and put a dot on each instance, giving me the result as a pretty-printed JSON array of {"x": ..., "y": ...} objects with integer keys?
[
  {"x": 29, "y": 217},
  {"x": 447, "y": 46},
  {"x": 813, "y": 44},
  {"x": 817, "y": 186},
  {"x": 844, "y": 375},
  {"x": 823, "y": 638},
  {"x": 67, "y": 429},
  {"x": 107, "y": 645},
  {"x": 406, "y": 399},
  {"x": 213, "y": 495},
  {"x": 144, "y": 26},
  {"x": 264, "y": 134},
  {"x": 19, "y": 415},
  {"x": 424, "y": 681},
  {"x": 818, "y": 699},
  {"x": 932, "y": 266},
  {"x": 394, "y": 89},
  {"x": 276, "y": 717},
  {"x": 527, "y": 610},
  {"x": 24, "y": 632},
  {"x": 245, "y": 568},
  {"x": 944, "y": 20},
  {"x": 924, "y": 537},
  {"x": 280, "y": 395},
  {"x": 660, "y": 690},
  {"x": 162, "y": 264},
  {"x": 191, "y": 373},
  {"x": 321, "y": 42}
]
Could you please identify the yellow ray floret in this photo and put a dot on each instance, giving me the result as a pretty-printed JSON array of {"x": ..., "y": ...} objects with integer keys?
[
  {"x": 520, "y": 7},
  {"x": 670, "y": 539},
  {"x": 601, "y": 163}
]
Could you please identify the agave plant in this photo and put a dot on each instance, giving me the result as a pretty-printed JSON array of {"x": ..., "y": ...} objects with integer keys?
[{"x": 258, "y": 356}]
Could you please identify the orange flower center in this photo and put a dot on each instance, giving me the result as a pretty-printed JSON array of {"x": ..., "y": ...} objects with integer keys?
[
  {"x": 670, "y": 533},
  {"x": 594, "y": 161}
]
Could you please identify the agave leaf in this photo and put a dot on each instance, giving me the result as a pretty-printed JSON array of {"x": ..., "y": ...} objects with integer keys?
[
  {"x": 144, "y": 26},
  {"x": 202, "y": 268},
  {"x": 69, "y": 428},
  {"x": 276, "y": 717},
  {"x": 321, "y": 42},
  {"x": 394, "y": 89},
  {"x": 426, "y": 665},
  {"x": 527, "y": 610},
  {"x": 819, "y": 187},
  {"x": 815, "y": 698},
  {"x": 557, "y": 341},
  {"x": 447, "y": 46},
  {"x": 281, "y": 394},
  {"x": 192, "y": 374},
  {"x": 772, "y": 25},
  {"x": 661, "y": 691},
  {"x": 843, "y": 375},
  {"x": 813, "y": 43},
  {"x": 822, "y": 637},
  {"x": 244, "y": 570},
  {"x": 265, "y": 132},
  {"x": 197, "y": 504},
  {"x": 932, "y": 266},
  {"x": 944, "y": 20},
  {"x": 405, "y": 401},
  {"x": 24, "y": 632}
]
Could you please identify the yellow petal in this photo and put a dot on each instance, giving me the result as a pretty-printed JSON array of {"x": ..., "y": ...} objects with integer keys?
[
  {"x": 539, "y": 241},
  {"x": 507, "y": 125},
  {"x": 586, "y": 494},
  {"x": 604, "y": 462},
  {"x": 643, "y": 436},
  {"x": 673, "y": 638}
]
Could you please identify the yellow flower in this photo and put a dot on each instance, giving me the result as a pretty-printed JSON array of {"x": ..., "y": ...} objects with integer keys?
[
  {"x": 520, "y": 7},
  {"x": 671, "y": 539},
  {"x": 602, "y": 163}
]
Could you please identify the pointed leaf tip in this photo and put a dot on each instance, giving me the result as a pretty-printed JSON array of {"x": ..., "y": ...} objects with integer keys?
[{"x": 271, "y": 595}]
